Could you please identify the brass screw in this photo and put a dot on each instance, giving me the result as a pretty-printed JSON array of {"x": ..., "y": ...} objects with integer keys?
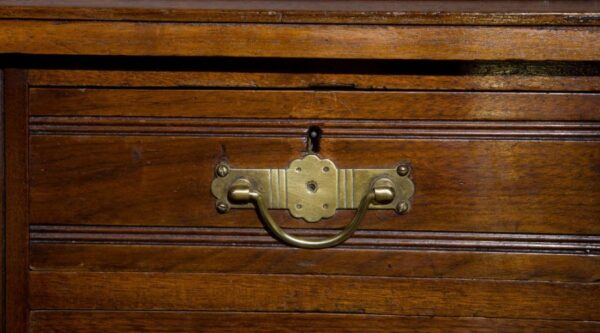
[
  {"x": 222, "y": 170},
  {"x": 402, "y": 207},
  {"x": 403, "y": 169},
  {"x": 222, "y": 207}
]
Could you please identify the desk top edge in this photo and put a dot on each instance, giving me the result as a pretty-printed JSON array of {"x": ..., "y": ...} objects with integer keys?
[{"x": 461, "y": 12}]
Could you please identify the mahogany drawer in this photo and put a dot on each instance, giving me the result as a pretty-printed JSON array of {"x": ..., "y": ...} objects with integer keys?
[
  {"x": 156, "y": 158},
  {"x": 502, "y": 224}
]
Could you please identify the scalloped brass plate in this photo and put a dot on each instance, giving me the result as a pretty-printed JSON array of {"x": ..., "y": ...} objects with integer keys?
[{"x": 313, "y": 188}]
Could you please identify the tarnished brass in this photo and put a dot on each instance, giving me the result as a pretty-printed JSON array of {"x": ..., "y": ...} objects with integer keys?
[
  {"x": 313, "y": 188},
  {"x": 241, "y": 190}
]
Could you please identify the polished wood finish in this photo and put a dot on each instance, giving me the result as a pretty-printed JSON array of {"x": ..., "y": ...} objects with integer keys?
[
  {"x": 300, "y": 41},
  {"x": 365, "y": 295},
  {"x": 315, "y": 104},
  {"x": 158, "y": 255},
  {"x": 482, "y": 77},
  {"x": 347, "y": 12},
  {"x": 118, "y": 111},
  {"x": 164, "y": 180}
]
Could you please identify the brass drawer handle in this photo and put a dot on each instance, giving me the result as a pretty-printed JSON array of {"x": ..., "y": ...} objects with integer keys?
[
  {"x": 312, "y": 188},
  {"x": 381, "y": 193}
]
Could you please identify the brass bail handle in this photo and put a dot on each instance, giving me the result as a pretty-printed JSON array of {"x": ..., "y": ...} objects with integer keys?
[{"x": 381, "y": 192}]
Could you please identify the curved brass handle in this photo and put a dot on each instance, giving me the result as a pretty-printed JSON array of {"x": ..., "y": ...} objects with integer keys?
[{"x": 382, "y": 192}]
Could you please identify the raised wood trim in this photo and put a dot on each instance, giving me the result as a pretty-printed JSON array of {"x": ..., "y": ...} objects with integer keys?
[
  {"x": 349, "y": 12},
  {"x": 207, "y": 322},
  {"x": 300, "y": 41},
  {"x": 17, "y": 206},
  {"x": 316, "y": 293},
  {"x": 381, "y": 239},
  {"x": 173, "y": 126}
]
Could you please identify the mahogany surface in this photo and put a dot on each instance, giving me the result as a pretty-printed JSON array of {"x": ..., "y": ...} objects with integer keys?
[
  {"x": 565, "y": 43},
  {"x": 114, "y": 114},
  {"x": 459, "y": 12}
]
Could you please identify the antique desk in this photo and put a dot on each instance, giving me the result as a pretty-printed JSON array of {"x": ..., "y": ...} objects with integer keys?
[{"x": 366, "y": 166}]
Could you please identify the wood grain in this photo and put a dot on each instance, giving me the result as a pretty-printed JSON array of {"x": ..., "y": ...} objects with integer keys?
[
  {"x": 206, "y": 78},
  {"x": 462, "y": 185},
  {"x": 191, "y": 322},
  {"x": 300, "y": 41},
  {"x": 347, "y": 12},
  {"x": 17, "y": 227},
  {"x": 108, "y": 148},
  {"x": 368, "y": 295},
  {"x": 417, "y": 263},
  {"x": 271, "y": 104}
]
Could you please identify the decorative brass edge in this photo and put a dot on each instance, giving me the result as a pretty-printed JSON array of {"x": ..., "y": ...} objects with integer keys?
[{"x": 313, "y": 188}]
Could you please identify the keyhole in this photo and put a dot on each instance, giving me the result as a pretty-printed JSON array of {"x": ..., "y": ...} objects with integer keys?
[
  {"x": 311, "y": 186},
  {"x": 313, "y": 139}
]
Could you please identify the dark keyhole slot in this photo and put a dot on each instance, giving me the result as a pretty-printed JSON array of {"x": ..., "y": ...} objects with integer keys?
[
  {"x": 313, "y": 139},
  {"x": 312, "y": 187}
]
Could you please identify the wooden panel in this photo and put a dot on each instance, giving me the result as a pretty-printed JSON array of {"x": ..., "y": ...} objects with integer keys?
[
  {"x": 369, "y": 262},
  {"x": 17, "y": 228},
  {"x": 300, "y": 41},
  {"x": 440, "y": 297},
  {"x": 462, "y": 185},
  {"x": 352, "y": 12},
  {"x": 316, "y": 104},
  {"x": 491, "y": 81},
  {"x": 189, "y": 322}
]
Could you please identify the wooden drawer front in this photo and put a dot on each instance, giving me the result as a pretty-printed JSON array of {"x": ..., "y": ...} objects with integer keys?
[
  {"x": 505, "y": 221},
  {"x": 333, "y": 105},
  {"x": 462, "y": 185}
]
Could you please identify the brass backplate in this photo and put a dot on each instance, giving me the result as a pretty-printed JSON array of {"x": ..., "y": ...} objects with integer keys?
[
  {"x": 312, "y": 191},
  {"x": 313, "y": 188}
]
